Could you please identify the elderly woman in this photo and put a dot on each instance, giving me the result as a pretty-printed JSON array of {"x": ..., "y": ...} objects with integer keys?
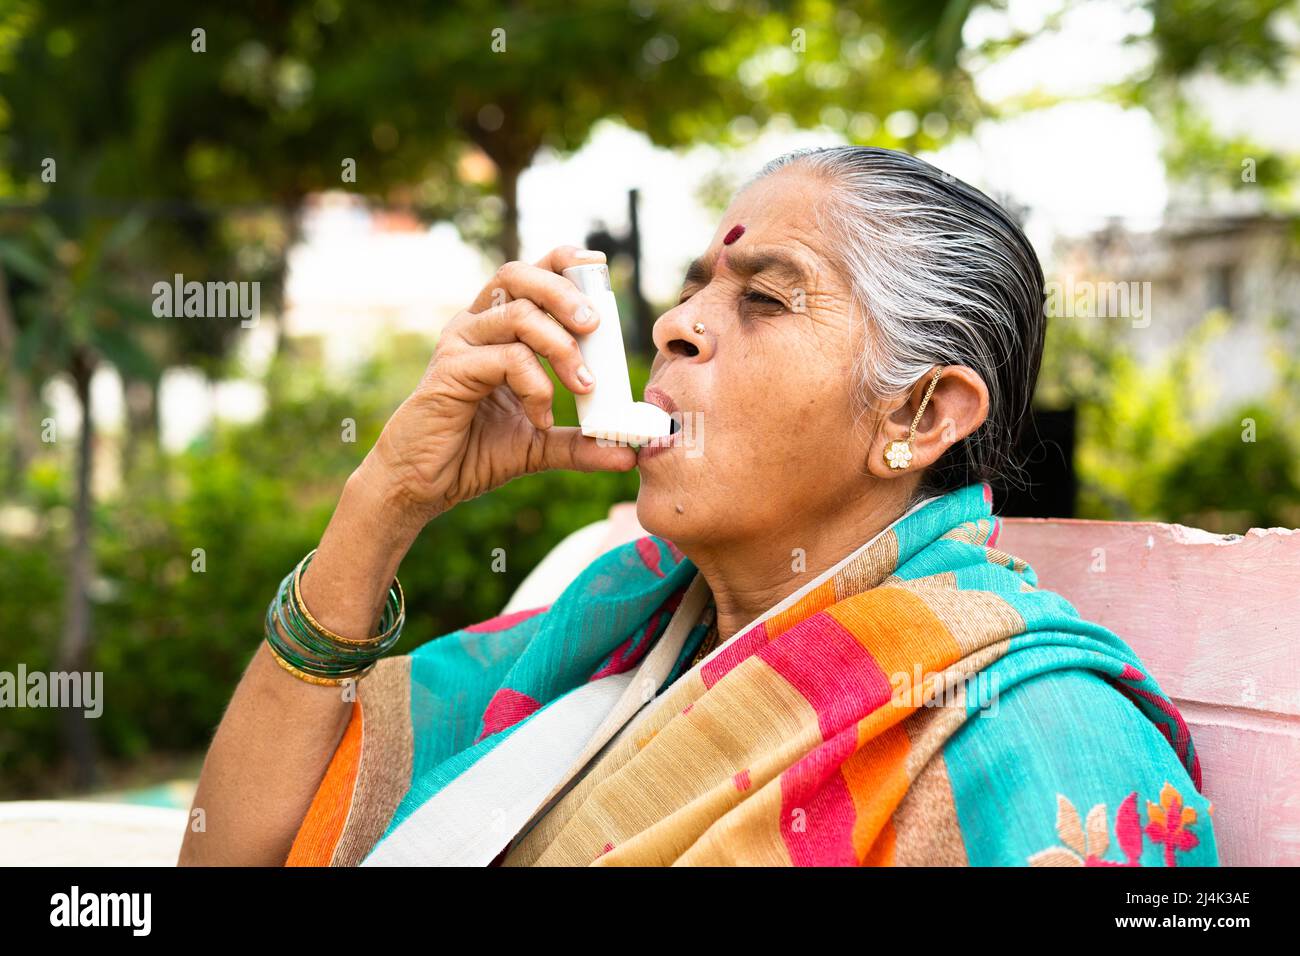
[{"x": 818, "y": 655}]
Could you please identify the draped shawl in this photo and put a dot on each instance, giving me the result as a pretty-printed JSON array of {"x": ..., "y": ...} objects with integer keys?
[{"x": 922, "y": 702}]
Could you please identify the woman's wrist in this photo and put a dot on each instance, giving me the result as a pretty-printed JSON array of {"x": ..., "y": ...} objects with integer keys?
[{"x": 368, "y": 536}]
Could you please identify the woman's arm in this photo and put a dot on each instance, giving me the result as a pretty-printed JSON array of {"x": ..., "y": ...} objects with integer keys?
[
  {"x": 279, "y": 733},
  {"x": 480, "y": 417}
]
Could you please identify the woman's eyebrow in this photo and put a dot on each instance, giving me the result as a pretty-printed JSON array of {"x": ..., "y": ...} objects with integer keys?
[{"x": 750, "y": 262}]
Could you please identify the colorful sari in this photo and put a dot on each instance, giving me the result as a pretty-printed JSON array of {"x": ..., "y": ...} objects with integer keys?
[{"x": 922, "y": 702}]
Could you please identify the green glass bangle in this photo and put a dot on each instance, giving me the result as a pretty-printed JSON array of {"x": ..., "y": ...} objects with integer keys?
[
  {"x": 311, "y": 679},
  {"x": 307, "y": 664},
  {"x": 295, "y": 642},
  {"x": 300, "y": 641},
  {"x": 391, "y": 619},
  {"x": 312, "y": 643},
  {"x": 298, "y": 658},
  {"x": 325, "y": 642}
]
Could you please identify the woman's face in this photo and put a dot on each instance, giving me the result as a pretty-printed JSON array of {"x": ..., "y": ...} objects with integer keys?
[{"x": 771, "y": 436}]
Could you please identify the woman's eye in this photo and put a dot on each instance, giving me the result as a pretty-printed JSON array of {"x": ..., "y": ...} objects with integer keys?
[{"x": 760, "y": 299}]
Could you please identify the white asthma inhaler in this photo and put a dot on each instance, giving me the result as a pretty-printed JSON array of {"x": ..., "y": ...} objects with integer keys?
[{"x": 607, "y": 411}]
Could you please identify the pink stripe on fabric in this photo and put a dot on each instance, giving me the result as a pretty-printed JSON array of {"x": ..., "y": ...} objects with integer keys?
[
  {"x": 629, "y": 653},
  {"x": 817, "y": 811},
  {"x": 649, "y": 553},
  {"x": 506, "y": 621},
  {"x": 1183, "y": 737},
  {"x": 626, "y": 655},
  {"x": 506, "y": 708},
  {"x": 831, "y": 669},
  {"x": 738, "y": 650},
  {"x": 1170, "y": 711}
]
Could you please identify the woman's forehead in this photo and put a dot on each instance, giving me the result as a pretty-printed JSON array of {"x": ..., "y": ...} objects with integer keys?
[{"x": 780, "y": 209}]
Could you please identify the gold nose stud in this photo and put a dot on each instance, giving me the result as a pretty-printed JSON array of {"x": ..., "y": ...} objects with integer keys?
[{"x": 699, "y": 328}]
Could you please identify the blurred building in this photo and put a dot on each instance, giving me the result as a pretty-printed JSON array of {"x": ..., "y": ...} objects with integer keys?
[{"x": 1168, "y": 280}]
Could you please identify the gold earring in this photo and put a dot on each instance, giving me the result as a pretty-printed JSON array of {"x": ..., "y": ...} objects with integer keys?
[
  {"x": 898, "y": 454},
  {"x": 699, "y": 328}
]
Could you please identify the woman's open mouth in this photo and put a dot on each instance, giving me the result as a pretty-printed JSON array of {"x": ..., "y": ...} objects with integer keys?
[{"x": 657, "y": 446}]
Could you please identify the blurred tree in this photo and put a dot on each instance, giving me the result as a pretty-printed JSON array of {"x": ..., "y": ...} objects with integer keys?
[
  {"x": 1237, "y": 40},
  {"x": 411, "y": 96},
  {"x": 205, "y": 117},
  {"x": 395, "y": 100},
  {"x": 19, "y": 391},
  {"x": 1186, "y": 42},
  {"x": 77, "y": 315}
]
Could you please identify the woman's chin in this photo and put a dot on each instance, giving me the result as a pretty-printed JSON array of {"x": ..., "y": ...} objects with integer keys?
[{"x": 657, "y": 511}]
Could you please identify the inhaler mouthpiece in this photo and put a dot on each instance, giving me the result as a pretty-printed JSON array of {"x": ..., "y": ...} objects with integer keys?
[{"x": 607, "y": 411}]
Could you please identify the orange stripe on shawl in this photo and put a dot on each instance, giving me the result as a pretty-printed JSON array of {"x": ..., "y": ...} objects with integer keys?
[
  {"x": 820, "y": 597},
  {"x": 898, "y": 629},
  {"x": 323, "y": 826},
  {"x": 877, "y": 779}
]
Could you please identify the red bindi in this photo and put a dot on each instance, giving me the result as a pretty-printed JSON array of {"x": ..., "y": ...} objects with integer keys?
[{"x": 735, "y": 233}]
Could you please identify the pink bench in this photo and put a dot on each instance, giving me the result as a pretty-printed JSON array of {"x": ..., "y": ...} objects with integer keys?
[
  {"x": 1215, "y": 617},
  {"x": 1217, "y": 620}
]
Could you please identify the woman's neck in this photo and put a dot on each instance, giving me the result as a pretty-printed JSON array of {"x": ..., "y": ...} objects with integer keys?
[{"x": 749, "y": 576}]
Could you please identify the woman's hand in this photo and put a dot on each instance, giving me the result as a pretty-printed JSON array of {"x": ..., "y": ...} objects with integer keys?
[
  {"x": 480, "y": 416},
  {"x": 482, "y": 413}
]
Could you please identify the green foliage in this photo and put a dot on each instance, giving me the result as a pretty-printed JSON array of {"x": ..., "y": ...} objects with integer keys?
[
  {"x": 1145, "y": 449},
  {"x": 1237, "y": 39},
  {"x": 73, "y": 300},
  {"x": 1214, "y": 164},
  {"x": 1242, "y": 472},
  {"x": 172, "y": 642}
]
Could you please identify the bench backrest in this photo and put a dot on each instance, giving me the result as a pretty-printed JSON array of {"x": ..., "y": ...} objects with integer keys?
[{"x": 1216, "y": 618}]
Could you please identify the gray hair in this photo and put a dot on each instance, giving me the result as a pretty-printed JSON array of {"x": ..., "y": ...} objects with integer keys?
[{"x": 943, "y": 276}]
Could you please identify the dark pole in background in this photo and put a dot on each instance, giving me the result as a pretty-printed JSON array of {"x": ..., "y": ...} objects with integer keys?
[
  {"x": 638, "y": 336},
  {"x": 640, "y": 308}
]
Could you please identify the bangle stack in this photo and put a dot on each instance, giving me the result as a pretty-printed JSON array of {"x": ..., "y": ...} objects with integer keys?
[{"x": 312, "y": 652}]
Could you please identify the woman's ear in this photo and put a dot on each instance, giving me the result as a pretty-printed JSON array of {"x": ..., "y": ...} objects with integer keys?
[{"x": 958, "y": 406}]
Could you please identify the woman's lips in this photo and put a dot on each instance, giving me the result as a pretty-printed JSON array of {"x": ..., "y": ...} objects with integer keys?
[
  {"x": 657, "y": 446},
  {"x": 657, "y": 396}
]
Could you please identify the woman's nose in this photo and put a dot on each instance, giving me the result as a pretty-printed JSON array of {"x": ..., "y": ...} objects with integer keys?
[{"x": 681, "y": 332}]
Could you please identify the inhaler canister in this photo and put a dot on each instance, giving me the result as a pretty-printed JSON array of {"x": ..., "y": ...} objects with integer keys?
[{"x": 607, "y": 411}]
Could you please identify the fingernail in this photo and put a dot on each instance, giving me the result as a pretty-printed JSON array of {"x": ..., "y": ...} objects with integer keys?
[
  {"x": 550, "y": 418},
  {"x": 584, "y": 376},
  {"x": 589, "y": 254},
  {"x": 585, "y": 315}
]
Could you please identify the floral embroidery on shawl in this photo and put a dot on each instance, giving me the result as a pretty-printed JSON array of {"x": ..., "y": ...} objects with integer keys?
[{"x": 1169, "y": 823}]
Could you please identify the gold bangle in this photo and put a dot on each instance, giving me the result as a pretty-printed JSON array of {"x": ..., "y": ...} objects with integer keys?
[
  {"x": 325, "y": 631},
  {"x": 312, "y": 678}
]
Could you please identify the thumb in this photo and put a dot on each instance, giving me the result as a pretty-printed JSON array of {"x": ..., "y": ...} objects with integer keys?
[{"x": 568, "y": 448}]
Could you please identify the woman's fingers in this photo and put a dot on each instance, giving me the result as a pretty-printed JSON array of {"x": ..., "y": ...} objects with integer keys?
[
  {"x": 522, "y": 321},
  {"x": 570, "y": 449},
  {"x": 543, "y": 284},
  {"x": 561, "y": 257},
  {"x": 482, "y": 369}
]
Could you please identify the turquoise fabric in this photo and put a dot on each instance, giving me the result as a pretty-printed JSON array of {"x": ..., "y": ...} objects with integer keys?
[{"x": 1071, "y": 734}]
